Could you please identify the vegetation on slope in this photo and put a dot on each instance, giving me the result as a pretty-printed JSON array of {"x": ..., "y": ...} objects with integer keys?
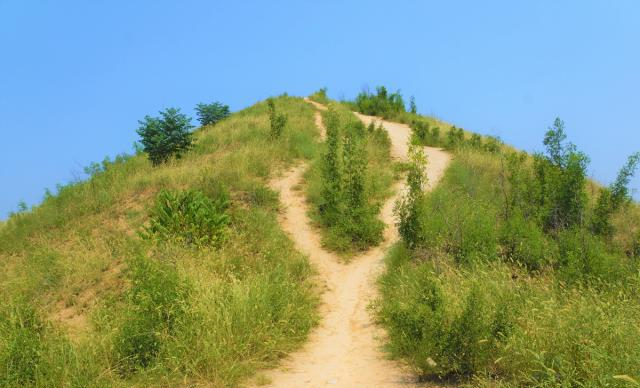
[
  {"x": 504, "y": 281},
  {"x": 103, "y": 286},
  {"x": 348, "y": 182}
]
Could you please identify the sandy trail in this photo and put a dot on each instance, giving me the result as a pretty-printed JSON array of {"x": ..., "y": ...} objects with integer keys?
[{"x": 344, "y": 351}]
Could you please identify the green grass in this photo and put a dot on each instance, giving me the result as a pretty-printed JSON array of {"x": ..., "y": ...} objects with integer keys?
[
  {"x": 68, "y": 266},
  {"x": 492, "y": 303}
]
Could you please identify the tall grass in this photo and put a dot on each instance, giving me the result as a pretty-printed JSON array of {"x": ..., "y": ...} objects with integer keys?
[
  {"x": 78, "y": 308},
  {"x": 489, "y": 300}
]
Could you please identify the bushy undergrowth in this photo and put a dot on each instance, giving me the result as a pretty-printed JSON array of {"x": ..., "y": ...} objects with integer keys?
[
  {"x": 320, "y": 96},
  {"x": 348, "y": 182},
  {"x": 189, "y": 217},
  {"x": 508, "y": 283},
  {"x": 88, "y": 303}
]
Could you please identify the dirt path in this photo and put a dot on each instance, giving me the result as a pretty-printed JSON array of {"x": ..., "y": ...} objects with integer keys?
[{"x": 344, "y": 350}]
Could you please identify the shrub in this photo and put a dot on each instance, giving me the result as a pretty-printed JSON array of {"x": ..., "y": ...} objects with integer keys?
[
  {"x": 493, "y": 144},
  {"x": 165, "y": 136},
  {"x": 412, "y": 105},
  {"x": 380, "y": 104},
  {"x": 189, "y": 217},
  {"x": 331, "y": 206},
  {"x": 276, "y": 120},
  {"x": 320, "y": 96},
  {"x": 343, "y": 205},
  {"x": 561, "y": 177},
  {"x": 209, "y": 114},
  {"x": 455, "y": 137},
  {"x": 613, "y": 197},
  {"x": 157, "y": 299},
  {"x": 443, "y": 333},
  {"x": 523, "y": 242},
  {"x": 408, "y": 208}
]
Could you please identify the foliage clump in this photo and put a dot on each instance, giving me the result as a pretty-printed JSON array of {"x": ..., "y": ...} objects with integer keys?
[
  {"x": 189, "y": 217},
  {"x": 320, "y": 96},
  {"x": 408, "y": 209},
  {"x": 166, "y": 136},
  {"x": 382, "y": 103},
  {"x": 344, "y": 206},
  {"x": 277, "y": 120},
  {"x": 210, "y": 114}
]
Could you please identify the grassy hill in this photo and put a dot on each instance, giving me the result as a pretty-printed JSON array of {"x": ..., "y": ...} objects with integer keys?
[
  {"x": 504, "y": 279},
  {"x": 78, "y": 282},
  {"x": 518, "y": 271}
]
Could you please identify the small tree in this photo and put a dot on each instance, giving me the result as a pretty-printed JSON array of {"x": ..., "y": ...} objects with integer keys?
[
  {"x": 613, "y": 197},
  {"x": 165, "y": 136},
  {"x": 332, "y": 169},
  {"x": 211, "y": 113},
  {"x": 407, "y": 209},
  {"x": 277, "y": 120},
  {"x": 412, "y": 105},
  {"x": 562, "y": 178}
]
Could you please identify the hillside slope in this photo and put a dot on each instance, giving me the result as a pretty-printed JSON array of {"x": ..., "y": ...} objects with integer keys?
[{"x": 89, "y": 303}]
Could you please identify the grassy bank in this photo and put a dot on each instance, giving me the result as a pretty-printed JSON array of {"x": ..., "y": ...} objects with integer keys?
[
  {"x": 492, "y": 297},
  {"x": 90, "y": 303}
]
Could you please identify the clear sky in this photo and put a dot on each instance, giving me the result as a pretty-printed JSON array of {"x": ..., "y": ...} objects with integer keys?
[{"x": 75, "y": 76}]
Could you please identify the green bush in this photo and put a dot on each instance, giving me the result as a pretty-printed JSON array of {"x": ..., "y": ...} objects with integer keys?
[
  {"x": 320, "y": 96},
  {"x": 189, "y": 217},
  {"x": 157, "y": 300},
  {"x": 277, "y": 120},
  {"x": 408, "y": 209},
  {"x": 523, "y": 242},
  {"x": 442, "y": 334},
  {"x": 343, "y": 205},
  {"x": 209, "y": 114},
  {"x": 455, "y": 137},
  {"x": 611, "y": 199},
  {"x": 380, "y": 104},
  {"x": 166, "y": 136}
]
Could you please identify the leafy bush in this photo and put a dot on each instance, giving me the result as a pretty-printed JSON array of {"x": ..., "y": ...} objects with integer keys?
[
  {"x": 320, "y": 96},
  {"x": 189, "y": 217},
  {"x": 442, "y": 334},
  {"x": 209, "y": 114},
  {"x": 423, "y": 134},
  {"x": 166, "y": 136},
  {"x": 277, "y": 120},
  {"x": 343, "y": 204},
  {"x": 455, "y": 137},
  {"x": 380, "y": 104},
  {"x": 611, "y": 199},
  {"x": 408, "y": 209},
  {"x": 157, "y": 299},
  {"x": 522, "y": 241}
]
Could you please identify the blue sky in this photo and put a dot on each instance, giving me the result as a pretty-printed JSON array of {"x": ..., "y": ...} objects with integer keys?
[{"x": 75, "y": 76}]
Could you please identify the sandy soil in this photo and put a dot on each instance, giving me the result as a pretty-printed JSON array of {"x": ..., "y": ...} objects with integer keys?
[{"x": 344, "y": 351}]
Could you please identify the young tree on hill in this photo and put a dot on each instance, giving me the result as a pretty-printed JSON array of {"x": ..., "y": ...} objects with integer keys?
[
  {"x": 407, "y": 209},
  {"x": 277, "y": 120},
  {"x": 165, "y": 136},
  {"x": 412, "y": 105},
  {"x": 211, "y": 113}
]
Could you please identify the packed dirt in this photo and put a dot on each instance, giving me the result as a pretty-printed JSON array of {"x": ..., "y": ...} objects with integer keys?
[{"x": 344, "y": 351}]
